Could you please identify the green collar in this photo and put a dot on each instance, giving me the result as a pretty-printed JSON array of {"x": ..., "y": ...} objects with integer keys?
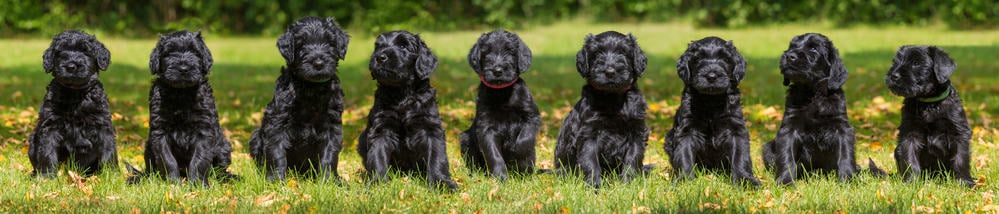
[{"x": 937, "y": 98}]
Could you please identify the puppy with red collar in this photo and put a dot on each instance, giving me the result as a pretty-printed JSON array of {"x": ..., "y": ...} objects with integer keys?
[{"x": 503, "y": 133}]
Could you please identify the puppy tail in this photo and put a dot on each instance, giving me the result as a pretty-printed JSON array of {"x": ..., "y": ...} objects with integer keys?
[
  {"x": 875, "y": 171},
  {"x": 136, "y": 174}
]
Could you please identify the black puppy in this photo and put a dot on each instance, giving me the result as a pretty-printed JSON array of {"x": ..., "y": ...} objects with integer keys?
[
  {"x": 74, "y": 123},
  {"x": 185, "y": 139},
  {"x": 934, "y": 133},
  {"x": 301, "y": 127},
  {"x": 606, "y": 131},
  {"x": 815, "y": 133},
  {"x": 709, "y": 129},
  {"x": 404, "y": 126},
  {"x": 506, "y": 123}
]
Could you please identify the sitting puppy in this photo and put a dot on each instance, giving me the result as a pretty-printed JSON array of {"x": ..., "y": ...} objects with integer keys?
[
  {"x": 708, "y": 129},
  {"x": 506, "y": 121},
  {"x": 185, "y": 139},
  {"x": 934, "y": 133},
  {"x": 301, "y": 127},
  {"x": 404, "y": 127},
  {"x": 815, "y": 133},
  {"x": 605, "y": 131},
  {"x": 74, "y": 123}
]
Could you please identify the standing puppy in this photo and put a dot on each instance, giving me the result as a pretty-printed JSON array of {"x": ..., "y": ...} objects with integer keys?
[
  {"x": 404, "y": 127},
  {"x": 708, "y": 129},
  {"x": 815, "y": 134},
  {"x": 506, "y": 121},
  {"x": 605, "y": 131},
  {"x": 74, "y": 123},
  {"x": 301, "y": 128},
  {"x": 185, "y": 139},
  {"x": 934, "y": 133}
]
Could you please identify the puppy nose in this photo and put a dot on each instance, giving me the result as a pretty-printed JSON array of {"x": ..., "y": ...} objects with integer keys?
[
  {"x": 894, "y": 76},
  {"x": 791, "y": 56},
  {"x": 610, "y": 71},
  {"x": 184, "y": 68},
  {"x": 382, "y": 58},
  {"x": 69, "y": 66},
  {"x": 318, "y": 63},
  {"x": 712, "y": 76}
]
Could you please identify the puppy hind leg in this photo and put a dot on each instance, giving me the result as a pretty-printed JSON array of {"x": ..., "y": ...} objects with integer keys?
[
  {"x": 960, "y": 166},
  {"x": 470, "y": 152},
  {"x": 784, "y": 158},
  {"x": 846, "y": 160},
  {"x": 742, "y": 164},
  {"x": 438, "y": 173},
  {"x": 43, "y": 156},
  {"x": 329, "y": 160},
  {"x": 376, "y": 158}
]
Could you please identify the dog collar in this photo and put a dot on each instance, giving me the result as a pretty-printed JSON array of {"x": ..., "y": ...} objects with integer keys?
[
  {"x": 937, "y": 98},
  {"x": 500, "y": 86}
]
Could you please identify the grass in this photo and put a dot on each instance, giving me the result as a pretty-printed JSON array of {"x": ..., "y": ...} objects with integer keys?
[{"x": 245, "y": 70}]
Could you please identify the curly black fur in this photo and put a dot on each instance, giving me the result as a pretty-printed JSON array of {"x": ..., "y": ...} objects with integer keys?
[
  {"x": 404, "y": 126},
  {"x": 815, "y": 134},
  {"x": 74, "y": 122},
  {"x": 709, "y": 129},
  {"x": 934, "y": 134},
  {"x": 185, "y": 139},
  {"x": 301, "y": 127},
  {"x": 505, "y": 128},
  {"x": 606, "y": 131}
]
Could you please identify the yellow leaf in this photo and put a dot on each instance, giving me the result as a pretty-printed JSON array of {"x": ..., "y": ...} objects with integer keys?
[
  {"x": 265, "y": 200},
  {"x": 51, "y": 195},
  {"x": 285, "y": 208},
  {"x": 402, "y": 194},
  {"x": 292, "y": 184},
  {"x": 492, "y": 193},
  {"x": 876, "y": 145}
]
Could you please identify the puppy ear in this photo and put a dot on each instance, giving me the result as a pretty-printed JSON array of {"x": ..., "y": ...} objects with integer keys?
[
  {"x": 48, "y": 58},
  {"x": 286, "y": 45},
  {"x": 426, "y": 62},
  {"x": 206, "y": 55},
  {"x": 524, "y": 56},
  {"x": 154, "y": 58},
  {"x": 638, "y": 57},
  {"x": 837, "y": 71},
  {"x": 582, "y": 57},
  {"x": 342, "y": 39},
  {"x": 475, "y": 54},
  {"x": 740, "y": 62},
  {"x": 943, "y": 65},
  {"x": 682, "y": 67},
  {"x": 100, "y": 53}
]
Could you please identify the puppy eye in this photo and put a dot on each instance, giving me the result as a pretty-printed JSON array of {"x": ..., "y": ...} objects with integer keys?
[{"x": 814, "y": 49}]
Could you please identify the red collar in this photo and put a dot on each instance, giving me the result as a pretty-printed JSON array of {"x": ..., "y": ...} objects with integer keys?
[{"x": 500, "y": 86}]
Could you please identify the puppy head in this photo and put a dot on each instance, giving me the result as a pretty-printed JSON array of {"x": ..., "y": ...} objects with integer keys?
[
  {"x": 711, "y": 66},
  {"x": 499, "y": 57},
  {"x": 312, "y": 48},
  {"x": 74, "y": 58},
  {"x": 181, "y": 59},
  {"x": 920, "y": 71},
  {"x": 611, "y": 61},
  {"x": 401, "y": 58},
  {"x": 812, "y": 59}
]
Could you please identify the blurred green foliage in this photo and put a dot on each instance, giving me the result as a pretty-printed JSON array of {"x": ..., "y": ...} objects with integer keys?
[{"x": 266, "y": 17}]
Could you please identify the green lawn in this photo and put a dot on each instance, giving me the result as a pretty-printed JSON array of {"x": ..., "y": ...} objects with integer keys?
[{"x": 246, "y": 68}]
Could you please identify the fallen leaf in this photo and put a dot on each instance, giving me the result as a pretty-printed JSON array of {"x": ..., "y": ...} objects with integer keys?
[
  {"x": 492, "y": 193},
  {"x": 265, "y": 200},
  {"x": 51, "y": 195}
]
